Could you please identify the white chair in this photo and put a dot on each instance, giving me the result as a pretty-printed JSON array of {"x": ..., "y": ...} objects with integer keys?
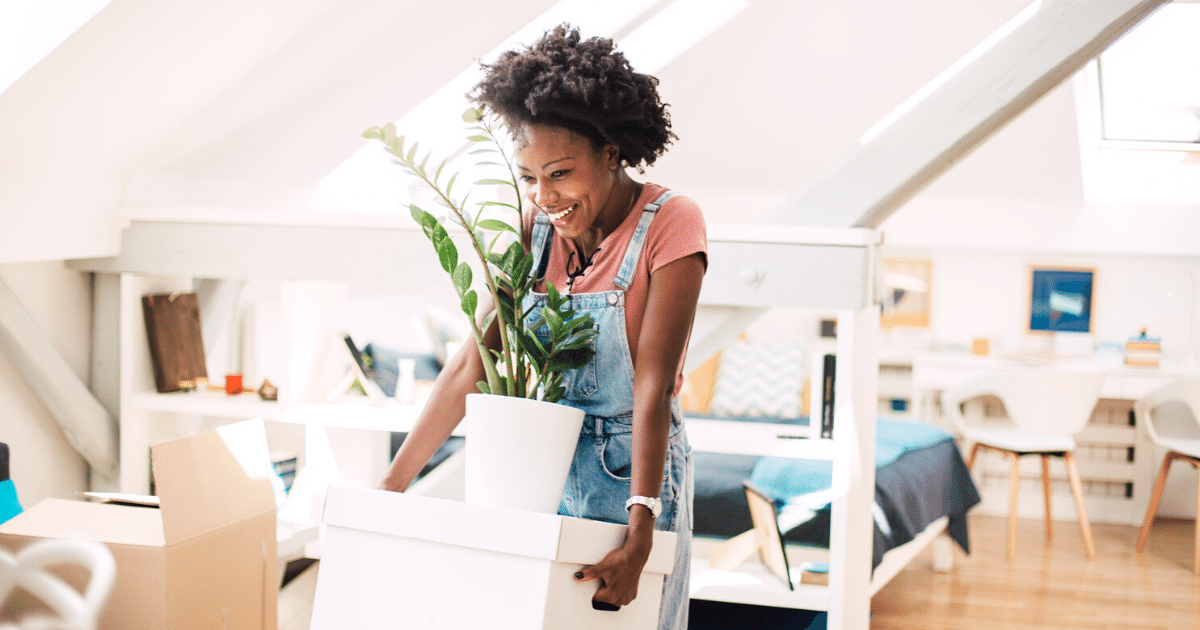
[
  {"x": 1181, "y": 439},
  {"x": 71, "y": 609},
  {"x": 1047, "y": 408}
]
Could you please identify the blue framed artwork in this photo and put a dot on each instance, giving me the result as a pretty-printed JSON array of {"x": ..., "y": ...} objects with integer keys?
[{"x": 1061, "y": 300}]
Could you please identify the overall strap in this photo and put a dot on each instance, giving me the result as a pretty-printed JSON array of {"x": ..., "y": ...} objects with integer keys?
[
  {"x": 625, "y": 274},
  {"x": 541, "y": 241}
]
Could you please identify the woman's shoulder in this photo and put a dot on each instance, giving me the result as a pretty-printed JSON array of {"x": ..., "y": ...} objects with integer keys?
[{"x": 678, "y": 202}]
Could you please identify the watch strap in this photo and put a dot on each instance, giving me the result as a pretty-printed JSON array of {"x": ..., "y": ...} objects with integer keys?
[{"x": 653, "y": 503}]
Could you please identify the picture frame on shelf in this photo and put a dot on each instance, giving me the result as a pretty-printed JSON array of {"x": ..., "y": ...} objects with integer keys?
[
  {"x": 906, "y": 284},
  {"x": 1060, "y": 299}
]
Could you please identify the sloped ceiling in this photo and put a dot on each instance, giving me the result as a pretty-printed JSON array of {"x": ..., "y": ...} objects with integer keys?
[
  {"x": 150, "y": 100},
  {"x": 236, "y": 104}
]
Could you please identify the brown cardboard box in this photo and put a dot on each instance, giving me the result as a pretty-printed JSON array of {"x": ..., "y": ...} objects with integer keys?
[{"x": 205, "y": 559}]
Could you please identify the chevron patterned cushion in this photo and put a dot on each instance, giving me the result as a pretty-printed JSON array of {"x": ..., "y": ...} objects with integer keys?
[{"x": 760, "y": 380}]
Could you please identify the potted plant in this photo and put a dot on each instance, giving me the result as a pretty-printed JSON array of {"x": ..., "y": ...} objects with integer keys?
[{"x": 514, "y": 422}]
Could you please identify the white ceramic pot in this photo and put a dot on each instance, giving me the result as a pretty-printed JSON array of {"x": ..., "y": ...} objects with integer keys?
[{"x": 519, "y": 451}]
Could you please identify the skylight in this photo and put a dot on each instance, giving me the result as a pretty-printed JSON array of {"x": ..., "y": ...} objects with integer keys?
[
  {"x": 369, "y": 183},
  {"x": 31, "y": 29},
  {"x": 1149, "y": 92}
]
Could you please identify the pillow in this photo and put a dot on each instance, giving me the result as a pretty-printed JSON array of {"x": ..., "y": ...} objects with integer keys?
[
  {"x": 9, "y": 505},
  {"x": 385, "y": 368},
  {"x": 697, "y": 391},
  {"x": 758, "y": 379}
]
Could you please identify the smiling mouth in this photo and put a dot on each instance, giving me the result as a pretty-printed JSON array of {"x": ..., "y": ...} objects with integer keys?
[{"x": 555, "y": 216}]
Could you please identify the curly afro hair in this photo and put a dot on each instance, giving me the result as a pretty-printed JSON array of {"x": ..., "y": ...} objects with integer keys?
[{"x": 584, "y": 85}]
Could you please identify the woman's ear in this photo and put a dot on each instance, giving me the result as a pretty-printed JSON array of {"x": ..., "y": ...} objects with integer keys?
[{"x": 612, "y": 156}]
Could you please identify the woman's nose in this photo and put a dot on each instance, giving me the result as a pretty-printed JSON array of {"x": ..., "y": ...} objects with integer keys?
[{"x": 541, "y": 195}]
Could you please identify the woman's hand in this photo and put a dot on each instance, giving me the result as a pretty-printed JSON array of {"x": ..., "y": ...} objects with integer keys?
[{"x": 621, "y": 569}]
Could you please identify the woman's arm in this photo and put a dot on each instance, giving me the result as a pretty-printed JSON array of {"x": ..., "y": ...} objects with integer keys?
[
  {"x": 670, "y": 307},
  {"x": 442, "y": 412}
]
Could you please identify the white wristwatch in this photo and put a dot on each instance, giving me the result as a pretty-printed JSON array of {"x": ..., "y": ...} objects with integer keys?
[{"x": 654, "y": 503}]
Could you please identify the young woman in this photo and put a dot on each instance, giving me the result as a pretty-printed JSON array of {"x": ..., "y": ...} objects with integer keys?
[{"x": 630, "y": 254}]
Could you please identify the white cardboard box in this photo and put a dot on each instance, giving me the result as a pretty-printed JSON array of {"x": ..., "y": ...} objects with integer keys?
[
  {"x": 395, "y": 560},
  {"x": 205, "y": 559}
]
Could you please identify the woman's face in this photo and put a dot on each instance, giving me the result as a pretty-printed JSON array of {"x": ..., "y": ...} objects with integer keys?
[{"x": 568, "y": 179}]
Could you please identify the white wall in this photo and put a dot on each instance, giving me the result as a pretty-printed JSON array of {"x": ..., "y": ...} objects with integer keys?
[{"x": 43, "y": 463}]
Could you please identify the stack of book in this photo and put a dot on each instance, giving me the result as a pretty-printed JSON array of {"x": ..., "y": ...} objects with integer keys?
[{"x": 1143, "y": 351}]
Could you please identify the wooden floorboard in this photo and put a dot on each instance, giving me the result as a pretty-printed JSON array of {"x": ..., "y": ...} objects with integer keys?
[{"x": 1051, "y": 585}]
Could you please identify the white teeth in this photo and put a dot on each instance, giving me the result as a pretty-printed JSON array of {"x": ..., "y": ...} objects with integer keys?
[{"x": 558, "y": 215}]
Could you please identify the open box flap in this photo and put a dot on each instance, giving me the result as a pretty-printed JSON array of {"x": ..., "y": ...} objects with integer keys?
[
  {"x": 81, "y": 520},
  {"x": 517, "y": 532},
  {"x": 587, "y": 542},
  {"x": 207, "y": 481}
]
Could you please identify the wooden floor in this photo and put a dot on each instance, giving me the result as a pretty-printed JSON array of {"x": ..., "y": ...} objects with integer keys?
[{"x": 1051, "y": 586}]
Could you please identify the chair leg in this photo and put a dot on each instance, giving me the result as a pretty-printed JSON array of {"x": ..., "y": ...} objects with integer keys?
[
  {"x": 971, "y": 455},
  {"x": 1046, "y": 495},
  {"x": 1196, "y": 549},
  {"x": 1155, "y": 497},
  {"x": 1014, "y": 488},
  {"x": 1085, "y": 527}
]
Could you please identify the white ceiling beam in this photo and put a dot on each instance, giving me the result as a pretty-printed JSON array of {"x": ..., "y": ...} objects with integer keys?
[
  {"x": 1040, "y": 48},
  {"x": 87, "y": 425}
]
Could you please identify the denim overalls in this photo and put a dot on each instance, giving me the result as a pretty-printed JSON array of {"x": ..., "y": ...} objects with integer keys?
[{"x": 600, "y": 477}]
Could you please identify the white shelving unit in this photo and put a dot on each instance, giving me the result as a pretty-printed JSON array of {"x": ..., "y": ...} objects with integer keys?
[{"x": 750, "y": 269}]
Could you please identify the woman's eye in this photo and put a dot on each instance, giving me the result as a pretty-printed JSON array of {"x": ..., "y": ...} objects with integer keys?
[{"x": 559, "y": 174}]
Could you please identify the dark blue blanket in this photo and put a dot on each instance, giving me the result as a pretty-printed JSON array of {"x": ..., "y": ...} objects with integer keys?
[{"x": 916, "y": 483}]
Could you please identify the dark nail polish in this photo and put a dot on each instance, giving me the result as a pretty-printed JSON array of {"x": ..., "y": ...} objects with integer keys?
[
  {"x": 605, "y": 606},
  {"x": 579, "y": 575}
]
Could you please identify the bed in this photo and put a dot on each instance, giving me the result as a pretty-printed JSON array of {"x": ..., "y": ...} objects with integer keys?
[
  {"x": 920, "y": 477},
  {"x": 747, "y": 413}
]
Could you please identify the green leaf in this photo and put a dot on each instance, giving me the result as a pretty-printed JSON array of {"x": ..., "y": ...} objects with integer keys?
[
  {"x": 412, "y": 153},
  {"x": 577, "y": 340},
  {"x": 483, "y": 387},
  {"x": 493, "y": 182},
  {"x": 497, "y": 224},
  {"x": 447, "y": 252},
  {"x": 423, "y": 219},
  {"x": 483, "y": 150},
  {"x": 470, "y": 302},
  {"x": 473, "y": 114},
  {"x": 498, "y": 203},
  {"x": 479, "y": 139},
  {"x": 462, "y": 277},
  {"x": 374, "y": 133}
]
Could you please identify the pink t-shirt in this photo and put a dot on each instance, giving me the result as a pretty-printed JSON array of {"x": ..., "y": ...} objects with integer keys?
[{"x": 678, "y": 231}]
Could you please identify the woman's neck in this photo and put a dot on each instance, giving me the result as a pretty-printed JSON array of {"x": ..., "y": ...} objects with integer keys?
[{"x": 618, "y": 206}]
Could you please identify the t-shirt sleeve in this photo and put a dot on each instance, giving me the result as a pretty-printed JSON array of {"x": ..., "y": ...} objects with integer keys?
[{"x": 677, "y": 232}]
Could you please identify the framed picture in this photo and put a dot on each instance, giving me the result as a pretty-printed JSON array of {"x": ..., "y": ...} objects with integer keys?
[
  {"x": 905, "y": 292},
  {"x": 1060, "y": 299}
]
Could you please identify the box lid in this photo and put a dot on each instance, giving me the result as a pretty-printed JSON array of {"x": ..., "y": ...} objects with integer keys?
[
  {"x": 531, "y": 534},
  {"x": 81, "y": 520},
  {"x": 207, "y": 481}
]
